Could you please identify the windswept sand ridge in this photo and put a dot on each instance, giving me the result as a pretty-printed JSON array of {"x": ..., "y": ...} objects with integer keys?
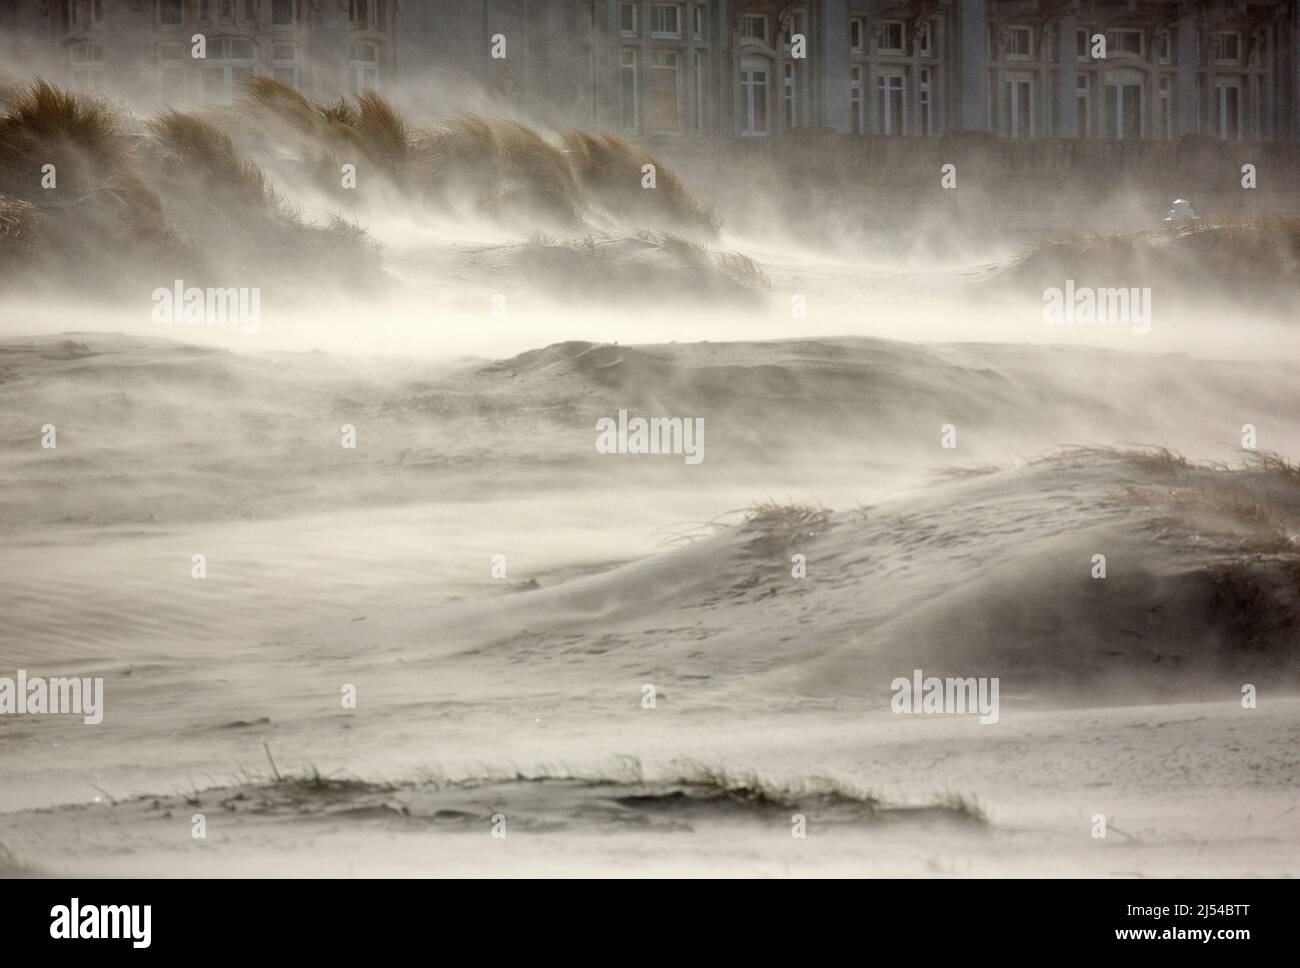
[
  {"x": 989, "y": 576},
  {"x": 371, "y": 567},
  {"x": 1234, "y": 261},
  {"x": 156, "y": 432}
]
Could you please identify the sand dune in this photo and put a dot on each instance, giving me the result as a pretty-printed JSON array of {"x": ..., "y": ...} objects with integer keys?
[{"x": 372, "y": 568}]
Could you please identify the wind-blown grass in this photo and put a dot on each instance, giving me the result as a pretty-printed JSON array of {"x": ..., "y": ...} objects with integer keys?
[
  {"x": 188, "y": 194},
  {"x": 1230, "y": 257},
  {"x": 610, "y": 171}
]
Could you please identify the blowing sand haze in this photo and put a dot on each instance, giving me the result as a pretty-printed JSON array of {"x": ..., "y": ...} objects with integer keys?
[{"x": 626, "y": 439}]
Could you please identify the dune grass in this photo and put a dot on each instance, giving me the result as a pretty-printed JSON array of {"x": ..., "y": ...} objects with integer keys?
[
  {"x": 504, "y": 168},
  {"x": 184, "y": 193},
  {"x": 1231, "y": 256},
  {"x": 1252, "y": 494},
  {"x": 752, "y": 787},
  {"x": 199, "y": 157},
  {"x": 623, "y": 780},
  {"x": 610, "y": 171},
  {"x": 43, "y": 124},
  {"x": 100, "y": 215},
  {"x": 774, "y": 525},
  {"x": 20, "y": 232},
  {"x": 11, "y": 865}
]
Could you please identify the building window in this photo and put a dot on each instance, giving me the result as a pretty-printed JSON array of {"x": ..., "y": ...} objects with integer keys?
[
  {"x": 855, "y": 101},
  {"x": 926, "y": 39},
  {"x": 927, "y": 115},
  {"x": 665, "y": 20},
  {"x": 628, "y": 100},
  {"x": 229, "y": 62},
  {"x": 1018, "y": 42},
  {"x": 698, "y": 90},
  {"x": 363, "y": 67},
  {"x": 227, "y": 10},
  {"x": 284, "y": 64},
  {"x": 627, "y": 22},
  {"x": 1227, "y": 48},
  {"x": 789, "y": 96},
  {"x": 753, "y": 97},
  {"x": 250, "y": 11},
  {"x": 284, "y": 13},
  {"x": 857, "y": 34},
  {"x": 1082, "y": 92},
  {"x": 359, "y": 13},
  {"x": 891, "y": 103},
  {"x": 1165, "y": 47},
  {"x": 1082, "y": 44},
  {"x": 1124, "y": 42},
  {"x": 1164, "y": 109},
  {"x": 1020, "y": 107},
  {"x": 753, "y": 26},
  {"x": 87, "y": 61},
  {"x": 171, "y": 69},
  {"x": 892, "y": 35},
  {"x": 73, "y": 13},
  {"x": 1123, "y": 102},
  {"x": 170, "y": 13},
  {"x": 792, "y": 25},
  {"x": 1227, "y": 91},
  {"x": 697, "y": 22},
  {"x": 665, "y": 91}
]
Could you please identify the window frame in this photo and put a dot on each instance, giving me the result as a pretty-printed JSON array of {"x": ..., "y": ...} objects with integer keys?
[
  {"x": 882, "y": 32},
  {"x": 676, "y": 34},
  {"x": 1018, "y": 30}
]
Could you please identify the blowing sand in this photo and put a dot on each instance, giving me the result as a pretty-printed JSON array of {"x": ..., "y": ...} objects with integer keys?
[{"x": 516, "y": 703}]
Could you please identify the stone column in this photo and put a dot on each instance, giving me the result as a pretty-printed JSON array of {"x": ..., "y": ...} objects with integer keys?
[
  {"x": 1067, "y": 115},
  {"x": 831, "y": 48},
  {"x": 1185, "y": 120}
]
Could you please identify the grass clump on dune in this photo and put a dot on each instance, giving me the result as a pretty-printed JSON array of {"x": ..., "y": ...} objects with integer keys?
[
  {"x": 100, "y": 213},
  {"x": 610, "y": 173},
  {"x": 20, "y": 234},
  {"x": 190, "y": 195},
  {"x": 505, "y": 168},
  {"x": 785, "y": 523},
  {"x": 750, "y": 786},
  {"x": 196, "y": 156},
  {"x": 1229, "y": 257},
  {"x": 169, "y": 198},
  {"x": 216, "y": 193},
  {"x": 12, "y": 866},
  {"x": 555, "y": 795}
]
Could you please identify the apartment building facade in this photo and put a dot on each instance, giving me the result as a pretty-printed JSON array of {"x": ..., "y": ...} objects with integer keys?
[{"x": 1116, "y": 69}]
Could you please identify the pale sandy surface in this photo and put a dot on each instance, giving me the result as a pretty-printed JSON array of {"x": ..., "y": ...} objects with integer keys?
[{"x": 372, "y": 568}]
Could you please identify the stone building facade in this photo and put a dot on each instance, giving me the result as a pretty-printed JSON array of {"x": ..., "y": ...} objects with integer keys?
[{"x": 1115, "y": 69}]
